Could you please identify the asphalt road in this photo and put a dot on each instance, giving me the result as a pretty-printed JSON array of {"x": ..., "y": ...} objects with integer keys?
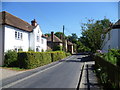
[{"x": 64, "y": 74}]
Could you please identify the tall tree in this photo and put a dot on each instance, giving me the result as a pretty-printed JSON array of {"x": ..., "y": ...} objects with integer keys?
[{"x": 92, "y": 31}]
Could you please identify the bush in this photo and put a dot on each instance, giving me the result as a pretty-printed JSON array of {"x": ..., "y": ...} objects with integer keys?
[
  {"x": 11, "y": 59},
  {"x": 29, "y": 60},
  {"x": 112, "y": 56},
  {"x": 57, "y": 55},
  {"x": 68, "y": 54},
  {"x": 57, "y": 48}
]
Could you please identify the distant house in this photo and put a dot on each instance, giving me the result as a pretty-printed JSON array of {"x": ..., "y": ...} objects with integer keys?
[
  {"x": 53, "y": 41},
  {"x": 17, "y": 34},
  {"x": 112, "y": 38}
]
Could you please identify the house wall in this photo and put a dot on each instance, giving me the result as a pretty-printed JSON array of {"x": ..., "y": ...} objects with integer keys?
[
  {"x": 11, "y": 42},
  {"x": 111, "y": 43},
  {"x": 1, "y": 45},
  {"x": 37, "y": 44},
  {"x": 44, "y": 44}
]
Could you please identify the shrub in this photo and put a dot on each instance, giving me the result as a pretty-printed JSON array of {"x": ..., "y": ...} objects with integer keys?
[
  {"x": 11, "y": 58},
  {"x": 68, "y": 54},
  {"x": 29, "y": 60},
  {"x": 57, "y": 55},
  {"x": 58, "y": 47}
]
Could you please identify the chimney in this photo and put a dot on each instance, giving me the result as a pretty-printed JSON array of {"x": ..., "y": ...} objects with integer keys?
[
  {"x": 52, "y": 36},
  {"x": 34, "y": 23}
]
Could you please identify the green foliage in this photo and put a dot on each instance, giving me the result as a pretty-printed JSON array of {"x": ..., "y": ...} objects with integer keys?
[
  {"x": 81, "y": 47},
  {"x": 29, "y": 60},
  {"x": 57, "y": 55},
  {"x": 68, "y": 54},
  {"x": 29, "y": 49},
  {"x": 58, "y": 34},
  {"x": 112, "y": 56},
  {"x": 57, "y": 48},
  {"x": 92, "y": 31},
  {"x": 10, "y": 58}
]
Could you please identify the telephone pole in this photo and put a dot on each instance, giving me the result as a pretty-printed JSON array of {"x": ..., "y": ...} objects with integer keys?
[{"x": 63, "y": 39}]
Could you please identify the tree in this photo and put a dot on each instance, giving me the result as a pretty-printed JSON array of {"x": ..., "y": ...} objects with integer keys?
[
  {"x": 48, "y": 34},
  {"x": 92, "y": 31},
  {"x": 73, "y": 38},
  {"x": 58, "y": 34}
]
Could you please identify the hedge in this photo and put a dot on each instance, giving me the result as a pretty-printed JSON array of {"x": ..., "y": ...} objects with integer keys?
[
  {"x": 29, "y": 60},
  {"x": 10, "y": 59},
  {"x": 57, "y": 55}
]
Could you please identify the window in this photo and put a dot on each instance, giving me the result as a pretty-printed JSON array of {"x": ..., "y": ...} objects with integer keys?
[
  {"x": 15, "y": 34},
  {"x": 18, "y": 35},
  {"x": 38, "y": 38},
  {"x": 21, "y": 35}
]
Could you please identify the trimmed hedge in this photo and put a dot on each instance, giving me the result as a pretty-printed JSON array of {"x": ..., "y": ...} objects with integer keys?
[
  {"x": 57, "y": 55},
  {"x": 29, "y": 60}
]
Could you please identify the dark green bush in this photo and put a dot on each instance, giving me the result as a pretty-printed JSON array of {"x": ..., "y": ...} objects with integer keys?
[
  {"x": 11, "y": 59},
  {"x": 57, "y": 48}
]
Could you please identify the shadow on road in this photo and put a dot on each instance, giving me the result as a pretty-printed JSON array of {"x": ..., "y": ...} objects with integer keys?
[{"x": 78, "y": 59}]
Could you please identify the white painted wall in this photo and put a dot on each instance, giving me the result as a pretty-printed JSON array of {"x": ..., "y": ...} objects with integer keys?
[
  {"x": 112, "y": 43},
  {"x": 11, "y": 42},
  {"x": 44, "y": 44},
  {"x": 1, "y": 45}
]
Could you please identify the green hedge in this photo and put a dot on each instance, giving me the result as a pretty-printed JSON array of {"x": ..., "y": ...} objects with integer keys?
[
  {"x": 57, "y": 55},
  {"x": 29, "y": 60},
  {"x": 10, "y": 59}
]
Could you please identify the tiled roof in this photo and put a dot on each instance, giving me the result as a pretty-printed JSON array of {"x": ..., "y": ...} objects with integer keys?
[
  {"x": 55, "y": 39},
  {"x": 9, "y": 19},
  {"x": 116, "y": 25},
  {"x": 69, "y": 43}
]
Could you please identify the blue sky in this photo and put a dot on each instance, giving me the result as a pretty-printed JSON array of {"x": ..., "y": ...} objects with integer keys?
[{"x": 51, "y": 16}]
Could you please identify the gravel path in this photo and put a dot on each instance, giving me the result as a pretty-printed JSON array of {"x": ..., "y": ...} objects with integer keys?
[{"x": 5, "y": 73}]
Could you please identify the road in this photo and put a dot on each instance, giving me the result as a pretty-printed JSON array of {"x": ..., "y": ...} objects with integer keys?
[{"x": 64, "y": 74}]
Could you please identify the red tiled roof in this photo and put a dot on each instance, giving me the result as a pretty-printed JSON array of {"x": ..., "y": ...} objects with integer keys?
[{"x": 9, "y": 19}]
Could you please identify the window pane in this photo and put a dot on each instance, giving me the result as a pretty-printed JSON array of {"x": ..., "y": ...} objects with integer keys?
[{"x": 15, "y": 34}]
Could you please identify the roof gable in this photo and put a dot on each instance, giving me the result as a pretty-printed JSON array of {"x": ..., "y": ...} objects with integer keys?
[
  {"x": 116, "y": 25},
  {"x": 55, "y": 39},
  {"x": 9, "y": 19}
]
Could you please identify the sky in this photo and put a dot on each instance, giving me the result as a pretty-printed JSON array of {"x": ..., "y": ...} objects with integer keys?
[{"x": 51, "y": 16}]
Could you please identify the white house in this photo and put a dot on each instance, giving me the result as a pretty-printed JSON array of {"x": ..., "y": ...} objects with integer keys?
[
  {"x": 17, "y": 34},
  {"x": 112, "y": 38}
]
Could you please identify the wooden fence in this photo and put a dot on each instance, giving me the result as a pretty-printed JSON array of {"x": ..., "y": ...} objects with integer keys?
[{"x": 112, "y": 71}]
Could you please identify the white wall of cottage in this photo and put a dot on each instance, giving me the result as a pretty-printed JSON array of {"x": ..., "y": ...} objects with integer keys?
[
  {"x": 113, "y": 42},
  {"x": 11, "y": 42}
]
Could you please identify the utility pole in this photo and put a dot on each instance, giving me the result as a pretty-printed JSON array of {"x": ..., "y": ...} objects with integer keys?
[{"x": 63, "y": 39}]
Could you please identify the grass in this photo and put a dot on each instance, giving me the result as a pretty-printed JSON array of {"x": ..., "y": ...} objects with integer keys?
[{"x": 14, "y": 68}]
